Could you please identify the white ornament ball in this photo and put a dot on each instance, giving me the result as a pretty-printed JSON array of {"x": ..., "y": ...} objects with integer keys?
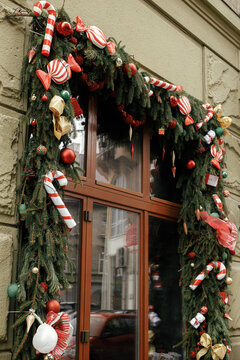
[
  {"x": 119, "y": 62},
  {"x": 45, "y": 339},
  {"x": 35, "y": 270}
]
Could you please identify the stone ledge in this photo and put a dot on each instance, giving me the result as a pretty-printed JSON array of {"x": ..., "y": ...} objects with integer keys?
[{"x": 5, "y": 355}]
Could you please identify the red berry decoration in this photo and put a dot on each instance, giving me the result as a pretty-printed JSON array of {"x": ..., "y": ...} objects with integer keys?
[
  {"x": 191, "y": 255},
  {"x": 68, "y": 156},
  {"x": 130, "y": 68},
  {"x": 64, "y": 28},
  {"x": 73, "y": 40},
  {"x": 44, "y": 286},
  {"x": 193, "y": 355},
  {"x": 173, "y": 101},
  {"x": 191, "y": 165},
  {"x": 92, "y": 86},
  {"x": 232, "y": 252},
  {"x": 83, "y": 77},
  {"x": 53, "y": 305},
  {"x": 44, "y": 98},
  {"x": 79, "y": 59},
  {"x": 172, "y": 124},
  {"x": 204, "y": 309}
]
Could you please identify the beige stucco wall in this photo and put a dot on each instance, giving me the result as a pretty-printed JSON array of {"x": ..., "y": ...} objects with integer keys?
[{"x": 194, "y": 43}]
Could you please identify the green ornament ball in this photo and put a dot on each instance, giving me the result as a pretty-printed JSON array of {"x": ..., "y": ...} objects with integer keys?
[
  {"x": 22, "y": 209},
  {"x": 224, "y": 174},
  {"x": 65, "y": 94},
  {"x": 219, "y": 132},
  {"x": 224, "y": 256},
  {"x": 215, "y": 214},
  {"x": 184, "y": 133},
  {"x": 12, "y": 290}
]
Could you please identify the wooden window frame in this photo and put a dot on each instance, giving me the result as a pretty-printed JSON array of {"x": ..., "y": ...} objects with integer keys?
[{"x": 91, "y": 191}]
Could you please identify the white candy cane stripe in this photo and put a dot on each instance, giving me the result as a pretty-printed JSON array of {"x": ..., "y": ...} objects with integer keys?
[
  {"x": 199, "y": 125},
  {"x": 162, "y": 84},
  {"x": 220, "y": 275},
  {"x": 59, "y": 70},
  {"x": 38, "y": 7},
  {"x": 56, "y": 199},
  {"x": 216, "y": 154},
  {"x": 184, "y": 105},
  {"x": 219, "y": 205}
]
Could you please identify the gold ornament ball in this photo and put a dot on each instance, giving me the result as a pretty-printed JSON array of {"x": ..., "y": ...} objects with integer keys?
[
  {"x": 33, "y": 98},
  {"x": 228, "y": 280},
  {"x": 192, "y": 265},
  {"x": 48, "y": 357},
  {"x": 35, "y": 270},
  {"x": 119, "y": 62}
]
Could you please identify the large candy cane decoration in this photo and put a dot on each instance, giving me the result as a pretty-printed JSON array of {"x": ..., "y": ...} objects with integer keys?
[
  {"x": 207, "y": 117},
  {"x": 220, "y": 275},
  {"x": 38, "y": 7},
  {"x": 162, "y": 84},
  {"x": 48, "y": 179},
  {"x": 219, "y": 206}
]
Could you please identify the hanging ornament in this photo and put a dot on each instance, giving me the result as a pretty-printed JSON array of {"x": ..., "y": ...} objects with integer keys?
[
  {"x": 53, "y": 305},
  {"x": 211, "y": 180},
  {"x": 173, "y": 165},
  {"x": 224, "y": 174},
  {"x": 197, "y": 214},
  {"x": 65, "y": 95},
  {"x": 201, "y": 149},
  {"x": 173, "y": 101},
  {"x": 226, "y": 193},
  {"x": 209, "y": 136},
  {"x": 228, "y": 280},
  {"x": 64, "y": 28},
  {"x": 45, "y": 339},
  {"x": 30, "y": 320},
  {"x": 161, "y": 131},
  {"x": 197, "y": 320},
  {"x": 41, "y": 150},
  {"x": 219, "y": 206},
  {"x": 44, "y": 98},
  {"x": 217, "y": 155},
  {"x": 31, "y": 54},
  {"x": 132, "y": 151},
  {"x": 119, "y": 62},
  {"x": 185, "y": 228},
  {"x": 227, "y": 316},
  {"x": 204, "y": 309},
  {"x": 193, "y": 354},
  {"x": 12, "y": 290},
  {"x": 172, "y": 124},
  {"x": 33, "y": 122},
  {"x": 76, "y": 108},
  {"x": 225, "y": 297},
  {"x": 22, "y": 209},
  {"x": 224, "y": 122},
  {"x": 220, "y": 141},
  {"x": 35, "y": 270},
  {"x": 73, "y": 40},
  {"x": 79, "y": 59},
  {"x": 163, "y": 153},
  {"x": 130, "y": 133},
  {"x": 191, "y": 255},
  {"x": 61, "y": 125},
  {"x": 220, "y": 275},
  {"x": 192, "y": 265},
  {"x": 44, "y": 286},
  {"x": 48, "y": 357},
  {"x": 68, "y": 156},
  {"x": 33, "y": 97},
  {"x": 185, "y": 109},
  {"x": 28, "y": 172},
  {"x": 207, "y": 117},
  {"x": 219, "y": 132},
  {"x": 130, "y": 68},
  {"x": 38, "y": 7},
  {"x": 190, "y": 165}
]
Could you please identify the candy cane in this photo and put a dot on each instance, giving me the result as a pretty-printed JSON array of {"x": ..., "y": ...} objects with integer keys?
[
  {"x": 219, "y": 205},
  {"x": 220, "y": 275},
  {"x": 162, "y": 84},
  {"x": 207, "y": 117},
  {"x": 38, "y": 7},
  {"x": 48, "y": 179}
]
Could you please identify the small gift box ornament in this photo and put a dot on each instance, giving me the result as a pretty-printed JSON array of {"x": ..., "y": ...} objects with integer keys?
[
  {"x": 197, "y": 320},
  {"x": 61, "y": 125}
]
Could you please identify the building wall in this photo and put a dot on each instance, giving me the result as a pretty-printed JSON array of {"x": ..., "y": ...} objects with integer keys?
[{"x": 194, "y": 43}]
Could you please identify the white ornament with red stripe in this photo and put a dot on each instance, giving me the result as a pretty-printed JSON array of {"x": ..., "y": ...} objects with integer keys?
[
  {"x": 56, "y": 199},
  {"x": 38, "y": 7},
  {"x": 197, "y": 320},
  {"x": 207, "y": 117},
  {"x": 162, "y": 84},
  {"x": 217, "y": 155},
  {"x": 219, "y": 206},
  {"x": 95, "y": 35},
  {"x": 185, "y": 109},
  {"x": 209, "y": 136},
  {"x": 220, "y": 275},
  {"x": 58, "y": 70}
]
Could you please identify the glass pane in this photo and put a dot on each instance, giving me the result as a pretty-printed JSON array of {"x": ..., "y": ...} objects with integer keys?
[
  {"x": 114, "y": 286},
  {"x": 69, "y": 297},
  {"x": 118, "y": 163},
  {"x": 165, "y": 325}
]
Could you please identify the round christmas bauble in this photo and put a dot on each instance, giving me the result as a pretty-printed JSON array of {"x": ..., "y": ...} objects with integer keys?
[
  {"x": 34, "y": 122},
  {"x": 65, "y": 94},
  {"x": 215, "y": 214},
  {"x": 172, "y": 124},
  {"x": 73, "y": 40},
  {"x": 48, "y": 357},
  {"x": 12, "y": 290},
  {"x": 232, "y": 252},
  {"x": 173, "y": 101},
  {"x": 44, "y": 97},
  {"x": 191, "y": 255},
  {"x": 192, "y": 265},
  {"x": 44, "y": 286},
  {"x": 53, "y": 305},
  {"x": 228, "y": 280},
  {"x": 64, "y": 28},
  {"x": 204, "y": 309},
  {"x": 132, "y": 69},
  {"x": 119, "y": 62},
  {"x": 45, "y": 339},
  {"x": 219, "y": 131},
  {"x": 68, "y": 156},
  {"x": 226, "y": 193},
  {"x": 193, "y": 355},
  {"x": 224, "y": 256},
  {"x": 224, "y": 174},
  {"x": 22, "y": 209},
  {"x": 79, "y": 59},
  {"x": 33, "y": 97},
  {"x": 41, "y": 150},
  {"x": 35, "y": 270},
  {"x": 190, "y": 165}
]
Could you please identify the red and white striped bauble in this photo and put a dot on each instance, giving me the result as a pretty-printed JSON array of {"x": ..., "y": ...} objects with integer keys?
[
  {"x": 38, "y": 7},
  {"x": 59, "y": 70},
  {"x": 185, "y": 109},
  {"x": 220, "y": 275}
]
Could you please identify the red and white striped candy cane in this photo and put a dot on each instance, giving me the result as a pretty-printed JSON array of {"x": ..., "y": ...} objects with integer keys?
[
  {"x": 38, "y": 7},
  {"x": 219, "y": 205},
  {"x": 207, "y": 117},
  {"x": 56, "y": 199},
  {"x": 220, "y": 275},
  {"x": 162, "y": 84}
]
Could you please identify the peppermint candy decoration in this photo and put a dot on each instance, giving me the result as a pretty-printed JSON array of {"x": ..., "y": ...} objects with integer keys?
[
  {"x": 38, "y": 7},
  {"x": 162, "y": 84},
  {"x": 95, "y": 35},
  {"x": 185, "y": 109},
  {"x": 207, "y": 117},
  {"x": 58, "y": 70},
  {"x": 220, "y": 275},
  {"x": 217, "y": 155}
]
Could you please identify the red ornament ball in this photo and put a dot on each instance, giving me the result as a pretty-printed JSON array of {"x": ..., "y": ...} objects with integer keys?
[
  {"x": 83, "y": 77},
  {"x": 64, "y": 28},
  {"x": 53, "y": 305},
  {"x": 79, "y": 59},
  {"x": 92, "y": 86},
  {"x": 73, "y": 40},
  {"x": 131, "y": 68},
  {"x": 204, "y": 309},
  {"x": 173, "y": 101},
  {"x": 232, "y": 252},
  {"x": 193, "y": 355},
  {"x": 191, "y": 255},
  {"x": 41, "y": 150},
  {"x": 34, "y": 122},
  {"x": 68, "y": 156},
  {"x": 172, "y": 124},
  {"x": 44, "y": 286},
  {"x": 226, "y": 193},
  {"x": 44, "y": 98},
  {"x": 191, "y": 165}
]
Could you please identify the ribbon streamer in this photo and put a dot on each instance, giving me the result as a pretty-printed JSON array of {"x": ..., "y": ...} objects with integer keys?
[
  {"x": 224, "y": 122},
  {"x": 218, "y": 351},
  {"x": 61, "y": 125}
]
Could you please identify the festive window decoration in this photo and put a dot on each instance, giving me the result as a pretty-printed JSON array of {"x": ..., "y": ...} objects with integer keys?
[{"x": 144, "y": 99}]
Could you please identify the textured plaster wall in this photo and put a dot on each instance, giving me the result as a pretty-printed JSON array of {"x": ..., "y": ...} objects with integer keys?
[{"x": 183, "y": 41}]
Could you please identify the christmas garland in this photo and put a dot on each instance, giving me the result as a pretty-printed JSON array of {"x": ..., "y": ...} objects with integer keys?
[{"x": 192, "y": 132}]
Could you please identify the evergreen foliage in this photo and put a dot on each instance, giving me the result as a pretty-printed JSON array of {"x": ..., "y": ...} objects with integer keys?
[{"x": 45, "y": 235}]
